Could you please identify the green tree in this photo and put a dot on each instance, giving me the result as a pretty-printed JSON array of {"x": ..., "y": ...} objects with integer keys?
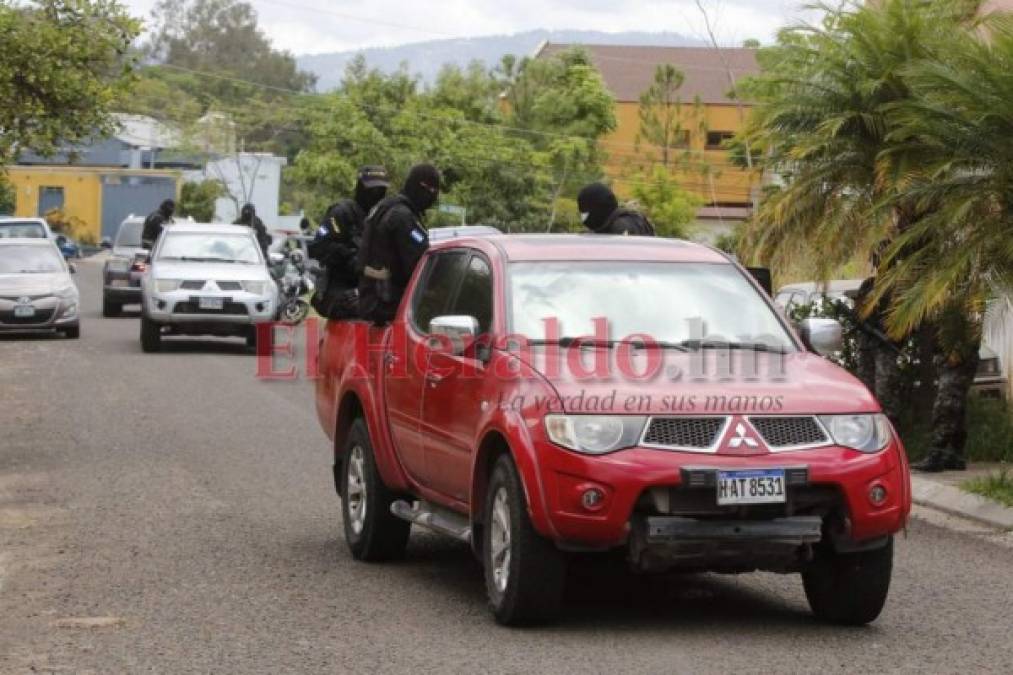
[
  {"x": 660, "y": 113},
  {"x": 473, "y": 91},
  {"x": 197, "y": 199},
  {"x": 62, "y": 67},
  {"x": 563, "y": 105},
  {"x": 671, "y": 208},
  {"x": 222, "y": 36},
  {"x": 8, "y": 198}
]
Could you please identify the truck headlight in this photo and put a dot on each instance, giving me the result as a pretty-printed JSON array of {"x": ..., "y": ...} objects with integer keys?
[
  {"x": 255, "y": 287},
  {"x": 865, "y": 433},
  {"x": 167, "y": 285},
  {"x": 594, "y": 434}
]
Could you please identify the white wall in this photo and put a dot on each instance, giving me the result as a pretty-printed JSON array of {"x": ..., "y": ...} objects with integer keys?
[
  {"x": 997, "y": 333},
  {"x": 248, "y": 177}
]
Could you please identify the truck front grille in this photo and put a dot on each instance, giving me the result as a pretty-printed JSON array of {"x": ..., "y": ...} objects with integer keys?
[
  {"x": 684, "y": 432},
  {"x": 789, "y": 432}
]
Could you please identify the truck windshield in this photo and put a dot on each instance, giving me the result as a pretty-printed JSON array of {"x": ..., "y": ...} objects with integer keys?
[
  {"x": 130, "y": 234},
  {"x": 198, "y": 247},
  {"x": 691, "y": 305}
]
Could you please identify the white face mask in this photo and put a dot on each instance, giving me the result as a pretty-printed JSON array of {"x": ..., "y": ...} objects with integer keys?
[{"x": 583, "y": 217}]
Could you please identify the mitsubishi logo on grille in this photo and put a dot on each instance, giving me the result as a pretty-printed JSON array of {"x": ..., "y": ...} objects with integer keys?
[
  {"x": 24, "y": 300},
  {"x": 742, "y": 437}
]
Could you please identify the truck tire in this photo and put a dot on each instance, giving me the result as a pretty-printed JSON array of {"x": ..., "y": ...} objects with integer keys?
[
  {"x": 110, "y": 308},
  {"x": 849, "y": 588},
  {"x": 372, "y": 532},
  {"x": 151, "y": 335},
  {"x": 524, "y": 572}
]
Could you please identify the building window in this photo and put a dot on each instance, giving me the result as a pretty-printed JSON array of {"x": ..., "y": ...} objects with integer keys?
[{"x": 716, "y": 139}]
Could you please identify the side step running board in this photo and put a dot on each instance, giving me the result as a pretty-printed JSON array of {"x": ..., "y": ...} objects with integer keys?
[{"x": 435, "y": 518}]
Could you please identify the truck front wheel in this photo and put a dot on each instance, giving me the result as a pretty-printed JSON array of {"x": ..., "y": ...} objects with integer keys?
[
  {"x": 524, "y": 572},
  {"x": 373, "y": 533},
  {"x": 849, "y": 588}
]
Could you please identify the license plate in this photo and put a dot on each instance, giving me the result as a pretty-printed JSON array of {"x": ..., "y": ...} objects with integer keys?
[
  {"x": 120, "y": 282},
  {"x": 24, "y": 312},
  {"x": 211, "y": 303},
  {"x": 755, "y": 486}
]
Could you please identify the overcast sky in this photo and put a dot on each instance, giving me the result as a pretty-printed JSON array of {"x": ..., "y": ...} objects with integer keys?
[{"x": 313, "y": 26}]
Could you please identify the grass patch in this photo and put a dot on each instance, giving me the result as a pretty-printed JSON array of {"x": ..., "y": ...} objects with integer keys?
[{"x": 995, "y": 486}]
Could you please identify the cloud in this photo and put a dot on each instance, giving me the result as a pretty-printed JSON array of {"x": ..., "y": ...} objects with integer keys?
[{"x": 315, "y": 26}]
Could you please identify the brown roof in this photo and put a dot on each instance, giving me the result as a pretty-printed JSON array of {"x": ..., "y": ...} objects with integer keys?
[{"x": 628, "y": 71}]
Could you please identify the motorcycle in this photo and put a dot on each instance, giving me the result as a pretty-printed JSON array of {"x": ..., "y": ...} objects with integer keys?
[{"x": 295, "y": 281}]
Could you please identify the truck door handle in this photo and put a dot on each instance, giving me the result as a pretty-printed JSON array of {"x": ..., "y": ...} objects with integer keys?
[
  {"x": 433, "y": 379},
  {"x": 389, "y": 359}
]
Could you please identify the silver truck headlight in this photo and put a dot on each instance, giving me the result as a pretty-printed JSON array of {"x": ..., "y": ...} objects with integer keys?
[
  {"x": 255, "y": 287},
  {"x": 865, "y": 433},
  {"x": 594, "y": 434}
]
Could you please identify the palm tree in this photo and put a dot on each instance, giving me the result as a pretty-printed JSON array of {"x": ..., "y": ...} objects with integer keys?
[
  {"x": 824, "y": 120},
  {"x": 952, "y": 151}
]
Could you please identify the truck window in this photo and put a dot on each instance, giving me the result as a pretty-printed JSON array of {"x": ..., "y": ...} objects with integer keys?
[
  {"x": 475, "y": 297},
  {"x": 441, "y": 278}
]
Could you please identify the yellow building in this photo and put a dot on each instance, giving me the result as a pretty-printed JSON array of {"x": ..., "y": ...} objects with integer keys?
[
  {"x": 98, "y": 197},
  {"x": 708, "y": 117}
]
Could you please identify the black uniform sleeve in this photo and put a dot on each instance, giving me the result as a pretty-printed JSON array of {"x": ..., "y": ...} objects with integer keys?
[
  {"x": 410, "y": 241},
  {"x": 152, "y": 228}
]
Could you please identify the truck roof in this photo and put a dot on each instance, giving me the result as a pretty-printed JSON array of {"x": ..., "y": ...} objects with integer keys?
[{"x": 548, "y": 247}]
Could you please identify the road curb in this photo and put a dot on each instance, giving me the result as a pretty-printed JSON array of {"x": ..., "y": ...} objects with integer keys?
[{"x": 954, "y": 501}]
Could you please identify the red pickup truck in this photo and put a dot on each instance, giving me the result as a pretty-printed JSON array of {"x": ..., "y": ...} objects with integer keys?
[{"x": 539, "y": 395}]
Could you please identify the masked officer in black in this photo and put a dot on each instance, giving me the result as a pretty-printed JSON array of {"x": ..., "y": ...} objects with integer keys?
[
  {"x": 393, "y": 243},
  {"x": 154, "y": 223},
  {"x": 600, "y": 213},
  {"x": 336, "y": 245},
  {"x": 248, "y": 216}
]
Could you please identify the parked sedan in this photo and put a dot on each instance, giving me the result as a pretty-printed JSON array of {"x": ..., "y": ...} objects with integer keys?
[
  {"x": 121, "y": 275},
  {"x": 36, "y": 291},
  {"x": 205, "y": 280}
]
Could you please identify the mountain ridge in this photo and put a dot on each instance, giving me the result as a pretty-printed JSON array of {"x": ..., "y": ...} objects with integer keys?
[{"x": 424, "y": 59}]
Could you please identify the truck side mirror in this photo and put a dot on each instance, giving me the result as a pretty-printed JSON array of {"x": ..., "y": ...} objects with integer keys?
[
  {"x": 763, "y": 277},
  {"x": 823, "y": 336},
  {"x": 462, "y": 330}
]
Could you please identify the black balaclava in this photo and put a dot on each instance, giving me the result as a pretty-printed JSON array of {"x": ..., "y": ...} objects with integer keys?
[
  {"x": 247, "y": 213},
  {"x": 371, "y": 187},
  {"x": 596, "y": 202},
  {"x": 422, "y": 186},
  {"x": 168, "y": 207}
]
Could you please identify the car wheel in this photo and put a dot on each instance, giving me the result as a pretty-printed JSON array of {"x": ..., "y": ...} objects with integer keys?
[
  {"x": 849, "y": 588},
  {"x": 110, "y": 308},
  {"x": 373, "y": 533},
  {"x": 151, "y": 335},
  {"x": 524, "y": 572},
  {"x": 73, "y": 332}
]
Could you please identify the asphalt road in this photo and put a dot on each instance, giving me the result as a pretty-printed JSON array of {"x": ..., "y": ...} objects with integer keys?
[{"x": 173, "y": 513}]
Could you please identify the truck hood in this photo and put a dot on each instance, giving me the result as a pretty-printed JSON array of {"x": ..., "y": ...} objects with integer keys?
[
  {"x": 33, "y": 284},
  {"x": 796, "y": 383},
  {"x": 214, "y": 271}
]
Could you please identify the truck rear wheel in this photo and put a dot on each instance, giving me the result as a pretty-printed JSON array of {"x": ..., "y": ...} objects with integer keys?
[
  {"x": 524, "y": 572},
  {"x": 373, "y": 533},
  {"x": 110, "y": 308},
  {"x": 849, "y": 588},
  {"x": 151, "y": 335}
]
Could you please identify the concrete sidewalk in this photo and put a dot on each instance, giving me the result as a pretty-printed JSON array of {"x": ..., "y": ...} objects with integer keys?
[{"x": 941, "y": 491}]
